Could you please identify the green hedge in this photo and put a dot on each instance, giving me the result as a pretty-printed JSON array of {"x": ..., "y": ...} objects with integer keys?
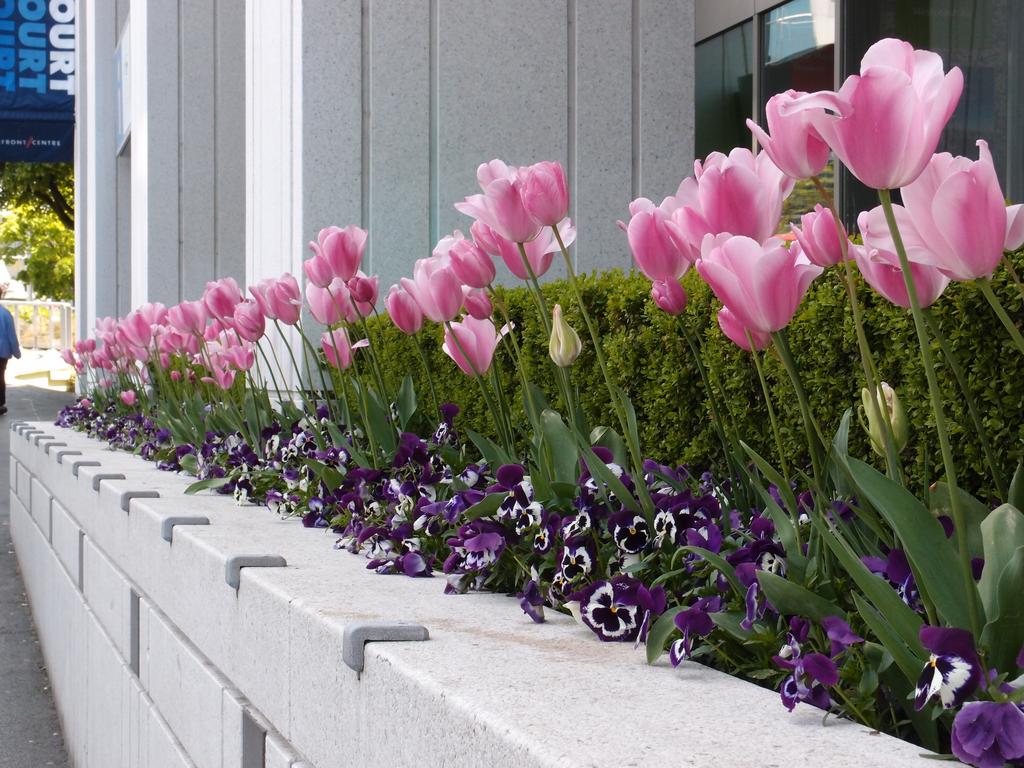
[{"x": 649, "y": 358}]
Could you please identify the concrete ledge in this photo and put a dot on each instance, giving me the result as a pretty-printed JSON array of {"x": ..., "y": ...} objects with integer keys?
[{"x": 261, "y": 675}]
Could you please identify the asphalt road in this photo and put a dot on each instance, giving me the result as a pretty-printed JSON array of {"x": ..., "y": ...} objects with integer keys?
[{"x": 30, "y": 733}]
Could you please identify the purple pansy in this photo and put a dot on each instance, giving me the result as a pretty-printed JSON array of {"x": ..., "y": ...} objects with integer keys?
[
  {"x": 952, "y": 672},
  {"x": 694, "y": 622},
  {"x": 812, "y": 675},
  {"x": 477, "y": 547},
  {"x": 531, "y": 600},
  {"x": 619, "y": 609},
  {"x": 630, "y": 532},
  {"x": 839, "y": 634},
  {"x": 987, "y": 734}
]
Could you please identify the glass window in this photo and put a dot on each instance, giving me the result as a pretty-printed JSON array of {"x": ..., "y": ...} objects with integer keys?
[
  {"x": 983, "y": 38},
  {"x": 798, "y": 52},
  {"x": 725, "y": 90}
]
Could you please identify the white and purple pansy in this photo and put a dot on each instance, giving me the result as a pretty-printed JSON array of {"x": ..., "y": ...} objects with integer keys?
[
  {"x": 477, "y": 547},
  {"x": 531, "y": 600},
  {"x": 839, "y": 634},
  {"x": 693, "y": 622},
  {"x": 619, "y": 609},
  {"x": 630, "y": 532},
  {"x": 952, "y": 672},
  {"x": 812, "y": 675},
  {"x": 576, "y": 559}
]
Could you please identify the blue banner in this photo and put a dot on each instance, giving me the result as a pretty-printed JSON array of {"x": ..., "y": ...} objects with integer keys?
[{"x": 37, "y": 80}]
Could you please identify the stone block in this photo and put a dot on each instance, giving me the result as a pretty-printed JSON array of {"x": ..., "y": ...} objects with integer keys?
[
  {"x": 66, "y": 538},
  {"x": 40, "y": 506},
  {"x": 108, "y": 594}
]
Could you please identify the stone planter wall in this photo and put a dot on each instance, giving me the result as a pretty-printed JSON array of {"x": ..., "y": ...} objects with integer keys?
[{"x": 189, "y": 631}]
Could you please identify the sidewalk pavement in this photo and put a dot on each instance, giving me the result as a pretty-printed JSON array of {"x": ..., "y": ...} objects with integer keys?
[{"x": 30, "y": 734}]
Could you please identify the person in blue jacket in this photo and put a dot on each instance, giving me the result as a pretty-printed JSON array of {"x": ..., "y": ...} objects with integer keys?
[{"x": 8, "y": 348}]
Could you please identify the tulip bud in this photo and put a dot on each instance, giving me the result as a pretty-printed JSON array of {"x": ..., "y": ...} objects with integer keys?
[
  {"x": 887, "y": 401},
  {"x": 669, "y": 295},
  {"x": 565, "y": 344}
]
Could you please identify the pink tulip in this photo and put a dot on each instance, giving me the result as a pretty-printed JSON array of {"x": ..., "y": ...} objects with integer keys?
[
  {"x": 221, "y": 296},
  {"x": 669, "y": 295},
  {"x": 655, "y": 242},
  {"x": 958, "y": 210},
  {"x": 331, "y": 304},
  {"x": 881, "y": 270},
  {"x": 222, "y": 376},
  {"x": 540, "y": 252},
  {"x": 68, "y": 356},
  {"x": 175, "y": 375},
  {"x": 249, "y": 321},
  {"x": 364, "y": 291},
  {"x": 405, "y": 313},
  {"x": 338, "y": 348},
  {"x": 341, "y": 249},
  {"x": 501, "y": 205},
  {"x": 545, "y": 193},
  {"x": 435, "y": 288},
  {"x": 188, "y": 317},
  {"x": 155, "y": 313},
  {"x": 888, "y": 120},
  {"x": 476, "y": 303},
  {"x": 85, "y": 346},
  {"x": 794, "y": 144},
  {"x": 738, "y": 335},
  {"x": 880, "y": 264},
  {"x": 471, "y": 344},
  {"x": 736, "y": 193},
  {"x": 819, "y": 238},
  {"x": 318, "y": 271},
  {"x": 761, "y": 285},
  {"x": 137, "y": 329},
  {"x": 278, "y": 298},
  {"x": 128, "y": 397},
  {"x": 470, "y": 263},
  {"x": 241, "y": 358}
]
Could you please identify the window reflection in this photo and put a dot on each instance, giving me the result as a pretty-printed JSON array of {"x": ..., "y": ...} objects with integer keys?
[
  {"x": 725, "y": 90},
  {"x": 798, "y": 52}
]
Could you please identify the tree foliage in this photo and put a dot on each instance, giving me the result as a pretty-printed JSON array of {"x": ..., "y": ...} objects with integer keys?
[
  {"x": 35, "y": 232},
  {"x": 38, "y": 222}
]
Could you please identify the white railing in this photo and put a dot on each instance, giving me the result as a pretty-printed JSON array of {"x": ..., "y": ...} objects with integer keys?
[{"x": 43, "y": 324}]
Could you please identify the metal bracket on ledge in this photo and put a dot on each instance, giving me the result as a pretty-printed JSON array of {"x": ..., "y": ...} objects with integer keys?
[
  {"x": 358, "y": 634},
  {"x": 59, "y": 455},
  {"x": 55, "y": 444},
  {"x": 17, "y": 424},
  {"x": 168, "y": 523},
  {"x": 127, "y": 496},
  {"x": 76, "y": 463},
  {"x": 97, "y": 479},
  {"x": 39, "y": 436},
  {"x": 27, "y": 433},
  {"x": 233, "y": 567}
]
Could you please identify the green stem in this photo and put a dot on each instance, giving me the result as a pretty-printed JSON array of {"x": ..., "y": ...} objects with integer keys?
[
  {"x": 430, "y": 376},
  {"x": 972, "y": 407},
  {"x": 811, "y": 431},
  {"x": 1013, "y": 274},
  {"x": 771, "y": 410},
  {"x": 997, "y": 306},
  {"x": 595, "y": 338},
  {"x": 959, "y": 519}
]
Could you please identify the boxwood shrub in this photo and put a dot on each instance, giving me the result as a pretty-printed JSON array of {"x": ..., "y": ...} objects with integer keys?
[{"x": 649, "y": 358}]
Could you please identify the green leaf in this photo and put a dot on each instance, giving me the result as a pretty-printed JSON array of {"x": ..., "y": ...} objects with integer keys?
[
  {"x": 378, "y": 423},
  {"x": 1016, "y": 495},
  {"x": 211, "y": 483},
  {"x": 722, "y": 565},
  {"x": 599, "y": 470},
  {"x": 792, "y": 599},
  {"x": 836, "y": 458},
  {"x": 493, "y": 455},
  {"x": 406, "y": 402},
  {"x": 773, "y": 476},
  {"x": 189, "y": 463},
  {"x": 909, "y": 664},
  {"x": 561, "y": 442},
  {"x": 488, "y": 505},
  {"x": 608, "y": 438},
  {"x": 660, "y": 631},
  {"x": 1004, "y": 633},
  {"x": 975, "y": 513},
  {"x": 730, "y": 622},
  {"x": 1002, "y": 533},
  {"x": 923, "y": 539},
  {"x": 905, "y": 622}
]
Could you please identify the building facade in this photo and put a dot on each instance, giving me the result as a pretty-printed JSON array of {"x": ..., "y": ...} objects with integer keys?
[{"x": 215, "y": 137}]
